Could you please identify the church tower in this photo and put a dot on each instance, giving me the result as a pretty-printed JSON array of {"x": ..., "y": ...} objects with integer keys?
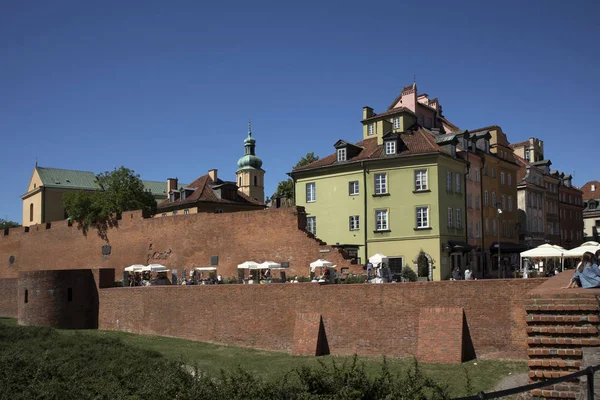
[{"x": 250, "y": 176}]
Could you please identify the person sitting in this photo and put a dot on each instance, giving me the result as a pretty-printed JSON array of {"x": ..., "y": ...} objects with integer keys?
[
  {"x": 456, "y": 275},
  {"x": 468, "y": 274},
  {"x": 587, "y": 274}
]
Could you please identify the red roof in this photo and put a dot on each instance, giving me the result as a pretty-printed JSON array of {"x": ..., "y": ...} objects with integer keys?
[
  {"x": 203, "y": 192},
  {"x": 417, "y": 142},
  {"x": 520, "y": 144},
  {"x": 390, "y": 112},
  {"x": 588, "y": 194}
]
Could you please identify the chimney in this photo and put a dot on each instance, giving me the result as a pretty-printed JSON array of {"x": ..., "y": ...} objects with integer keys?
[
  {"x": 171, "y": 184},
  {"x": 213, "y": 174},
  {"x": 367, "y": 112}
]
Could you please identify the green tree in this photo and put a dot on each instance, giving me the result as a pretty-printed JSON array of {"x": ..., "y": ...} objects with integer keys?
[
  {"x": 286, "y": 188},
  {"x": 422, "y": 264},
  {"x": 5, "y": 224},
  {"x": 120, "y": 190}
]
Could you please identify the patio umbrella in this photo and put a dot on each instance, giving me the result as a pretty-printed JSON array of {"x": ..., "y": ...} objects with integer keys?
[
  {"x": 320, "y": 263},
  {"x": 269, "y": 265},
  {"x": 134, "y": 268},
  {"x": 248, "y": 265},
  {"x": 155, "y": 268},
  {"x": 592, "y": 247},
  {"x": 378, "y": 259}
]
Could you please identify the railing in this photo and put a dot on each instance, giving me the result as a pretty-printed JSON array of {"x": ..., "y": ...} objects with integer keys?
[{"x": 589, "y": 371}]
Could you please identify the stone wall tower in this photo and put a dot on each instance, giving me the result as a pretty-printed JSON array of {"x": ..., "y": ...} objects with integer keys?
[{"x": 250, "y": 176}]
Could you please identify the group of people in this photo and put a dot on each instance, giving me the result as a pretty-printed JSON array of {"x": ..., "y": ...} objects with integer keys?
[
  {"x": 587, "y": 273},
  {"x": 457, "y": 276},
  {"x": 145, "y": 278}
]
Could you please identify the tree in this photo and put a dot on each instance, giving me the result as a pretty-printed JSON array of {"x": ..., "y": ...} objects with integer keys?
[
  {"x": 120, "y": 190},
  {"x": 5, "y": 224},
  {"x": 422, "y": 264},
  {"x": 286, "y": 188}
]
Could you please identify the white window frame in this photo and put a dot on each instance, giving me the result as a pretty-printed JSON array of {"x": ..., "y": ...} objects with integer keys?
[
  {"x": 354, "y": 222},
  {"x": 354, "y": 188},
  {"x": 509, "y": 180},
  {"x": 503, "y": 202},
  {"x": 380, "y": 181},
  {"x": 422, "y": 220},
  {"x": 448, "y": 181},
  {"x": 341, "y": 154},
  {"x": 458, "y": 218},
  {"x": 478, "y": 202},
  {"x": 311, "y": 192},
  {"x": 493, "y": 172},
  {"x": 486, "y": 199},
  {"x": 502, "y": 178},
  {"x": 381, "y": 220},
  {"x": 311, "y": 225},
  {"x": 470, "y": 200},
  {"x": 450, "y": 216},
  {"x": 477, "y": 175},
  {"x": 390, "y": 147},
  {"x": 186, "y": 211},
  {"x": 421, "y": 180},
  {"x": 510, "y": 204},
  {"x": 477, "y": 230},
  {"x": 371, "y": 129},
  {"x": 494, "y": 199},
  {"x": 396, "y": 122}
]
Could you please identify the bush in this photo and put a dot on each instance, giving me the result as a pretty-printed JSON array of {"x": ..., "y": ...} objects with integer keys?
[
  {"x": 355, "y": 279},
  {"x": 422, "y": 264},
  {"x": 408, "y": 274}
]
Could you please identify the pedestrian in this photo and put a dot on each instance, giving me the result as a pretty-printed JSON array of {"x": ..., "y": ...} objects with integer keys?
[
  {"x": 456, "y": 275},
  {"x": 468, "y": 274}
]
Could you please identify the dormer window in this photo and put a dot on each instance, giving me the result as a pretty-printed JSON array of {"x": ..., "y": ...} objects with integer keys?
[
  {"x": 371, "y": 130},
  {"x": 341, "y": 154},
  {"x": 390, "y": 147},
  {"x": 397, "y": 123},
  {"x": 593, "y": 187}
]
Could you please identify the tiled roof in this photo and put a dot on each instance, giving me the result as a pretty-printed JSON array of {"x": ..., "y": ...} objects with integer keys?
[
  {"x": 203, "y": 192},
  {"x": 450, "y": 125},
  {"x": 418, "y": 142},
  {"x": 85, "y": 180},
  {"x": 587, "y": 190},
  {"x": 485, "y": 128},
  {"x": 390, "y": 112},
  {"x": 519, "y": 144}
]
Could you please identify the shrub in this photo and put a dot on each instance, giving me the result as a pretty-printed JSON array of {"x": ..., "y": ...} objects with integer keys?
[
  {"x": 422, "y": 264},
  {"x": 408, "y": 274},
  {"x": 355, "y": 279}
]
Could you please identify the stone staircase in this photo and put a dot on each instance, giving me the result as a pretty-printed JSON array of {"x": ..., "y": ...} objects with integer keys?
[{"x": 560, "y": 323}]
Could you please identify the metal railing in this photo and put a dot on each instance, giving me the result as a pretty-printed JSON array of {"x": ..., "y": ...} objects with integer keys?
[{"x": 589, "y": 372}]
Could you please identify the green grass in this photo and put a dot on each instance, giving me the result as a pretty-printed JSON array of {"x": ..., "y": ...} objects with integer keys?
[{"x": 483, "y": 374}]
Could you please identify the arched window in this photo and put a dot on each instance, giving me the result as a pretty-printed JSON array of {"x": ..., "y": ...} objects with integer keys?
[
  {"x": 255, "y": 181},
  {"x": 31, "y": 212},
  {"x": 240, "y": 181}
]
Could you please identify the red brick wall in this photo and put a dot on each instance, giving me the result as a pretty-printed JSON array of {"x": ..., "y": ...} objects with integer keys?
[
  {"x": 367, "y": 319},
  {"x": 440, "y": 335},
  {"x": 8, "y": 297},
  {"x": 184, "y": 241}
]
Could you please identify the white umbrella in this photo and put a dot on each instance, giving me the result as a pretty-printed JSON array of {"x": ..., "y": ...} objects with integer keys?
[
  {"x": 206, "y": 269},
  {"x": 544, "y": 250},
  {"x": 320, "y": 263},
  {"x": 134, "y": 268},
  {"x": 248, "y": 265},
  {"x": 592, "y": 247},
  {"x": 378, "y": 259},
  {"x": 269, "y": 265},
  {"x": 155, "y": 268}
]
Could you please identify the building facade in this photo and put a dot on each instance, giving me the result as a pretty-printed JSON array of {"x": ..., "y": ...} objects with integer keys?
[
  {"x": 591, "y": 212},
  {"x": 570, "y": 212}
]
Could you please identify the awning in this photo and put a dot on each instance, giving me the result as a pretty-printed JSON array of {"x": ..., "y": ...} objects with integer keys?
[
  {"x": 507, "y": 247},
  {"x": 457, "y": 245}
]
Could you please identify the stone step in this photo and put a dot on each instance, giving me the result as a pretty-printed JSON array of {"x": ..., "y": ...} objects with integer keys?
[
  {"x": 553, "y": 352},
  {"x": 555, "y": 363},
  {"x": 570, "y": 300},
  {"x": 563, "y": 330},
  {"x": 562, "y": 307},
  {"x": 551, "y": 318},
  {"x": 553, "y": 341},
  {"x": 555, "y": 394},
  {"x": 548, "y": 374}
]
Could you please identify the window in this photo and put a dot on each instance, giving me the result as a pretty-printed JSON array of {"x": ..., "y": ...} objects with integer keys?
[
  {"x": 175, "y": 212},
  {"x": 380, "y": 183},
  {"x": 396, "y": 264},
  {"x": 458, "y": 218},
  {"x": 354, "y": 223},
  {"x": 420, "y": 179},
  {"x": 485, "y": 171},
  {"x": 478, "y": 202},
  {"x": 476, "y": 174},
  {"x": 371, "y": 129},
  {"x": 31, "y": 212},
  {"x": 390, "y": 147},
  {"x": 450, "y": 212},
  {"x": 493, "y": 172},
  {"x": 186, "y": 211},
  {"x": 495, "y": 227},
  {"x": 311, "y": 192},
  {"x": 487, "y": 146},
  {"x": 527, "y": 155},
  {"x": 509, "y": 180},
  {"x": 353, "y": 188},
  {"x": 218, "y": 211},
  {"x": 502, "y": 178},
  {"x": 381, "y": 220},
  {"x": 240, "y": 180},
  {"x": 503, "y": 202},
  {"x": 397, "y": 123},
  {"x": 470, "y": 200},
  {"x": 422, "y": 217},
  {"x": 494, "y": 204},
  {"x": 311, "y": 225},
  {"x": 449, "y": 181},
  {"x": 477, "y": 231},
  {"x": 510, "y": 206},
  {"x": 470, "y": 230},
  {"x": 485, "y": 198},
  {"x": 487, "y": 226},
  {"x": 255, "y": 181},
  {"x": 341, "y": 154},
  {"x": 458, "y": 178}
]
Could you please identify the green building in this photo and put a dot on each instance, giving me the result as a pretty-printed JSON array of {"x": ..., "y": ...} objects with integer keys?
[{"x": 398, "y": 191}]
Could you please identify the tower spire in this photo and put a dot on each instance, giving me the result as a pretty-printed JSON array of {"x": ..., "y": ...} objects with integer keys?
[{"x": 249, "y": 127}]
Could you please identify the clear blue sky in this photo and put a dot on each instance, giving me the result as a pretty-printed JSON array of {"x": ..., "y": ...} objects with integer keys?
[{"x": 167, "y": 88}]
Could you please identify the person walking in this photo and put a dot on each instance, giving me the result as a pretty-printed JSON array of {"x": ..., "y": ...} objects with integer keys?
[{"x": 468, "y": 274}]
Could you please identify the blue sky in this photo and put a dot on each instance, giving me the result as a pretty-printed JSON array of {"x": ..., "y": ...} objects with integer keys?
[{"x": 167, "y": 88}]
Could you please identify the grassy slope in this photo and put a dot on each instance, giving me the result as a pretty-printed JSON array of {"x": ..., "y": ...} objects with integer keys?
[{"x": 483, "y": 374}]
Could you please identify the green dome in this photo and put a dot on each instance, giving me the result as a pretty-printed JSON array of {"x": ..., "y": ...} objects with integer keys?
[
  {"x": 249, "y": 160},
  {"x": 249, "y": 139}
]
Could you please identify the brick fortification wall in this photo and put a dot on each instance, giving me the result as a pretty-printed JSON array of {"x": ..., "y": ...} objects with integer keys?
[
  {"x": 8, "y": 297},
  {"x": 363, "y": 319},
  {"x": 184, "y": 241}
]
